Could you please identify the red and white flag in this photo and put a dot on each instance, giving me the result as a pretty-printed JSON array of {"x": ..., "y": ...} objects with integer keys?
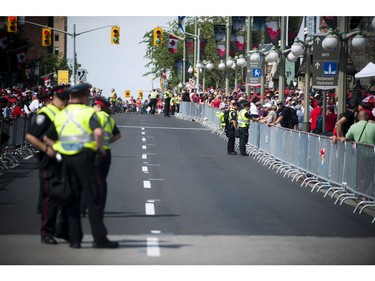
[
  {"x": 172, "y": 44},
  {"x": 21, "y": 56},
  {"x": 47, "y": 81}
]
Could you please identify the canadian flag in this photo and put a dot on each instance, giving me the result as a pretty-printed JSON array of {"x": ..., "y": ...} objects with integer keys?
[
  {"x": 172, "y": 44},
  {"x": 47, "y": 81},
  {"x": 21, "y": 56},
  {"x": 240, "y": 43}
]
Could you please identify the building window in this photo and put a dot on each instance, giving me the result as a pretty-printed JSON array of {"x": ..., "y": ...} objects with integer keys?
[
  {"x": 56, "y": 51},
  {"x": 56, "y": 37}
]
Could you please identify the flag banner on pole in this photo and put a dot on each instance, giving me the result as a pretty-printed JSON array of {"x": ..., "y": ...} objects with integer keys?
[
  {"x": 272, "y": 30},
  {"x": 232, "y": 45},
  {"x": 238, "y": 24},
  {"x": 240, "y": 43},
  {"x": 294, "y": 24},
  {"x": 189, "y": 44},
  {"x": 203, "y": 43},
  {"x": 172, "y": 44},
  {"x": 331, "y": 22},
  {"x": 259, "y": 25},
  {"x": 221, "y": 39},
  {"x": 21, "y": 56},
  {"x": 181, "y": 23},
  {"x": 179, "y": 66},
  {"x": 238, "y": 35}
]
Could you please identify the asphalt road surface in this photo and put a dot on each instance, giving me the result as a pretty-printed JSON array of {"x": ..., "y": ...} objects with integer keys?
[{"x": 176, "y": 198}]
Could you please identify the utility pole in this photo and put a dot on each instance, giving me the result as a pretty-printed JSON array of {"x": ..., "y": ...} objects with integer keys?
[{"x": 73, "y": 35}]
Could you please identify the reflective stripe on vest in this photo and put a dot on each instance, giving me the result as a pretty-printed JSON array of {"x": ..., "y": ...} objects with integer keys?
[
  {"x": 50, "y": 110},
  {"x": 108, "y": 124},
  {"x": 73, "y": 129},
  {"x": 243, "y": 121}
]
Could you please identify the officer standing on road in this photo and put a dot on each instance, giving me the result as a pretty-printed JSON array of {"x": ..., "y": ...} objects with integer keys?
[
  {"x": 48, "y": 167},
  {"x": 111, "y": 134},
  {"x": 243, "y": 120},
  {"x": 80, "y": 140},
  {"x": 167, "y": 102},
  {"x": 232, "y": 127},
  {"x": 153, "y": 99}
]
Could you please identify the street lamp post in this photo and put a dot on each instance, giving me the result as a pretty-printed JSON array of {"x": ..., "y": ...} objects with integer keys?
[
  {"x": 206, "y": 65},
  {"x": 298, "y": 48},
  {"x": 334, "y": 39}
]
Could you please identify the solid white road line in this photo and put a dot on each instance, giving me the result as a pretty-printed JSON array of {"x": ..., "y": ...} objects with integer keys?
[
  {"x": 146, "y": 184},
  {"x": 150, "y": 209},
  {"x": 153, "y": 249}
]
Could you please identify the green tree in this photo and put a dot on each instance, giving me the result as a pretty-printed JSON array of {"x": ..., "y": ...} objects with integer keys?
[{"x": 160, "y": 58}]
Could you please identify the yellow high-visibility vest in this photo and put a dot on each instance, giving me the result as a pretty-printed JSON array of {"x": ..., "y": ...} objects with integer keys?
[{"x": 73, "y": 128}]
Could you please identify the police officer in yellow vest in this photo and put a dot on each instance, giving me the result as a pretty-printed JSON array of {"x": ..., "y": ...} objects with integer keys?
[
  {"x": 178, "y": 101},
  {"x": 243, "y": 120},
  {"x": 231, "y": 129},
  {"x": 111, "y": 134},
  {"x": 80, "y": 139},
  {"x": 49, "y": 168},
  {"x": 167, "y": 102},
  {"x": 152, "y": 104},
  {"x": 113, "y": 99}
]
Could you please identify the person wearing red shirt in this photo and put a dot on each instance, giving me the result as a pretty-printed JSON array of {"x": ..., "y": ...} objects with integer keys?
[
  {"x": 331, "y": 119},
  {"x": 314, "y": 116},
  {"x": 216, "y": 102},
  {"x": 17, "y": 110}
]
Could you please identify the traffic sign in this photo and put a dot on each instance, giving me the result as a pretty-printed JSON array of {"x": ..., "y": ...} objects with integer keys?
[
  {"x": 325, "y": 65},
  {"x": 254, "y": 73},
  {"x": 140, "y": 94},
  {"x": 127, "y": 94},
  {"x": 63, "y": 77},
  {"x": 82, "y": 75}
]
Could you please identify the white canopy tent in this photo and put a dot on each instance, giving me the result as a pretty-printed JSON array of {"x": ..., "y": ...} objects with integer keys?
[{"x": 366, "y": 72}]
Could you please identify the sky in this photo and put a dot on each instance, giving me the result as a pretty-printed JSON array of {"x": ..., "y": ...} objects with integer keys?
[
  {"x": 122, "y": 66},
  {"x": 114, "y": 66}
]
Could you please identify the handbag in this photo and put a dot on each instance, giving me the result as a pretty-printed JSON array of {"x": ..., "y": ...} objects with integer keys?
[{"x": 59, "y": 187}]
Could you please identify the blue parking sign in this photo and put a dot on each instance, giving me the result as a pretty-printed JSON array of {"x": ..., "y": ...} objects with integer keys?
[
  {"x": 257, "y": 72},
  {"x": 329, "y": 68}
]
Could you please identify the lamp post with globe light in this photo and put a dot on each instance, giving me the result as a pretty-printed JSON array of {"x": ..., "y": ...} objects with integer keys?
[
  {"x": 334, "y": 40},
  {"x": 240, "y": 61},
  {"x": 298, "y": 49},
  {"x": 206, "y": 65}
]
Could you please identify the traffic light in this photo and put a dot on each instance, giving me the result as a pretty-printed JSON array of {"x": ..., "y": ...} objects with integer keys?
[
  {"x": 140, "y": 94},
  {"x": 46, "y": 37},
  {"x": 158, "y": 36},
  {"x": 12, "y": 24},
  {"x": 115, "y": 35}
]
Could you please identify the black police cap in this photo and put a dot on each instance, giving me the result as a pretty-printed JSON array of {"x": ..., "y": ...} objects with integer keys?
[
  {"x": 245, "y": 103},
  {"x": 102, "y": 102},
  {"x": 80, "y": 89}
]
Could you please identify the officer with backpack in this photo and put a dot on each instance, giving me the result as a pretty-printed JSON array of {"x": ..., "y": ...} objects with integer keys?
[
  {"x": 231, "y": 127},
  {"x": 243, "y": 123}
]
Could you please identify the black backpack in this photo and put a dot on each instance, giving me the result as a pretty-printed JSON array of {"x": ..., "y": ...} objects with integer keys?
[{"x": 294, "y": 117}]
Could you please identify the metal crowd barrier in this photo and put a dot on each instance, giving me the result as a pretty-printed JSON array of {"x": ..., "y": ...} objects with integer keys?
[
  {"x": 342, "y": 170},
  {"x": 13, "y": 143}
]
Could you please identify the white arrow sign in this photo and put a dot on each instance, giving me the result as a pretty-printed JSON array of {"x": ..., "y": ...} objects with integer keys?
[{"x": 317, "y": 65}]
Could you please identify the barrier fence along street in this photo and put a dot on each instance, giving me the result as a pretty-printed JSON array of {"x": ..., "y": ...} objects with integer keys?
[{"x": 345, "y": 169}]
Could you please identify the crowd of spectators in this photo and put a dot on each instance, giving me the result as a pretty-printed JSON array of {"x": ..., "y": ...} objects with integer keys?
[{"x": 271, "y": 109}]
